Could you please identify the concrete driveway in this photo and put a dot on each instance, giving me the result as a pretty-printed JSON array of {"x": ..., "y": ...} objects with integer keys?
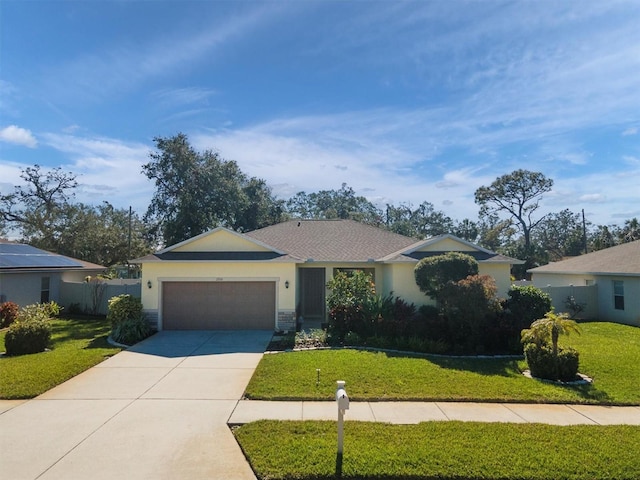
[{"x": 158, "y": 410}]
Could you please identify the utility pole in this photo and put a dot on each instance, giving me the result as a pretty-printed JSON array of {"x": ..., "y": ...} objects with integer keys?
[
  {"x": 129, "y": 246},
  {"x": 584, "y": 233}
]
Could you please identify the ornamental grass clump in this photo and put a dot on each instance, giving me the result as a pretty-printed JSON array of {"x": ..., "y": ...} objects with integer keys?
[{"x": 545, "y": 358}]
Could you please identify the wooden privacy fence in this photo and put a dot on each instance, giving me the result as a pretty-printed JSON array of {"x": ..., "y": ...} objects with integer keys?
[{"x": 92, "y": 297}]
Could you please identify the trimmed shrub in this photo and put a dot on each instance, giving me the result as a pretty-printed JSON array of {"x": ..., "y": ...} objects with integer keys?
[
  {"x": 526, "y": 304},
  {"x": 31, "y": 330},
  {"x": 568, "y": 364},
  {"x": 469, "y": 305},
  {"x": 131, "y": 330},
  {"x": 8, "y": 313},
  {"x": 124, "y": 307},
  {"x": 544, "y": 364},
  {"x": 433, "y": 273}
]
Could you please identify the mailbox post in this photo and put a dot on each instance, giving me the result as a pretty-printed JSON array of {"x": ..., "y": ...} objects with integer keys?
[{"x": 342, "y": 399}]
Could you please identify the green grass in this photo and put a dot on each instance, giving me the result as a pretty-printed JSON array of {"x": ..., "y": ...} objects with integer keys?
[
  {"x": 441, "y": 450},
  {"x": 609, "y": 353},
  {"x": 76, "y": 346}
]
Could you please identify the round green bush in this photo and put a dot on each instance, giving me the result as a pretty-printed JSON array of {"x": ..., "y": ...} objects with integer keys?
[
  {"x": 526, "y": 304},
  {"x": 27, "y": 336},
  {"x": 124, "y": 307},
  {"x": 544, "y": 364}
]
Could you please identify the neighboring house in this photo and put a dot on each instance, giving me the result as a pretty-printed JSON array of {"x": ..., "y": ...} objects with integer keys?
[
  {"x": 268, "y": 278},
  {"x": 29, "y": 275},
  {"x": 612, "y": 278}
]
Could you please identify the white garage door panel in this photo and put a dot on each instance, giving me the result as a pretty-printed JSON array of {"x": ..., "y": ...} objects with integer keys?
[{"x": 218, "y": 305}]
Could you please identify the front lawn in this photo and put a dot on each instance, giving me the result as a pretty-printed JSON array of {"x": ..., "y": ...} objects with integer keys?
[
  {"x": 77, "y": 344},
  {"x": 609, "y": 353},
  {"x": 441, "y": 450}
]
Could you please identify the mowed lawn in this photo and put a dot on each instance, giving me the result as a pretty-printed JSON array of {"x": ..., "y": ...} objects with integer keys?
[
  {"x": 76, "y": 345},
  {"x": 609, "y": 353},
  {"x": 441, "y": 450}
]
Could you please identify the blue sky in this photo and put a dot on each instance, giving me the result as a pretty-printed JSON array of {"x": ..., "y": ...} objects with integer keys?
[{"x": 404, "y": 101}]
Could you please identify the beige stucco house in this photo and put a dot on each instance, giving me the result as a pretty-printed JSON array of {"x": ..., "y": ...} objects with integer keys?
[
  {"x": 609, "y": 279},
  {"x": 268, "y": 278}
]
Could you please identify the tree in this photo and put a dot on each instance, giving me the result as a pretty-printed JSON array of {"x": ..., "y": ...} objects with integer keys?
[
  {"x": 630, "y": 231},
  {"x": 433, "y": 273},
  {"x": 36, "y": 209},
  {"x": 467, "y": 230},
  {"x": 423, "y": 222},
  {"x": 494, "y": 232},
  {"x": 100, "y": 234},
  {"x": 334, "y": 204},
  {"x": 518, "y": 194},
  {"x": 196, "y": 192},
  {"x": 560, "y": 235},
  {"x": 602, "y": 238}
]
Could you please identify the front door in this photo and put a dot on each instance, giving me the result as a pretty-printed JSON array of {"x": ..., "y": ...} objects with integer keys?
[{"x": 312, "y": 294}]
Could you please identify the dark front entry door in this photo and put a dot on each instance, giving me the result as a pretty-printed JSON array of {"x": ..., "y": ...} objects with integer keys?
[{"x": 312, "y": 301}]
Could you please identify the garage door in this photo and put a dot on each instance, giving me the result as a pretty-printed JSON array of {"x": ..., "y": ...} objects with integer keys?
[{"x": 218, "y": 305}]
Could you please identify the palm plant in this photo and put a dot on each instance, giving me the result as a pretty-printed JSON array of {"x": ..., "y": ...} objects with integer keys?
[{"x": 551, "y": 326}]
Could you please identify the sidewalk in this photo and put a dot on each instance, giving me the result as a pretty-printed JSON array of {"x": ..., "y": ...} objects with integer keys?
[{"x": 415, "y": 412}]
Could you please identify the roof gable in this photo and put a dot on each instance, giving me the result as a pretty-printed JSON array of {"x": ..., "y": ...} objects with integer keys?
[
  {"x": 622, "y": 259},
  {"x": 448, "y": 243},
  {"x": 220, "y": 240},
  {"x": 442, "y": 244}
]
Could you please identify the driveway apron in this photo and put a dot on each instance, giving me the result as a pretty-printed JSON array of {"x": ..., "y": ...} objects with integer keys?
[{"x": 157, "y": 410}]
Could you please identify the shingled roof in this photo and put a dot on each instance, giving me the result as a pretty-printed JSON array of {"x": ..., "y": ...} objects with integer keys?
[
  {"x": 332, "y": 240},
  {"x": 619, "y": 260}
]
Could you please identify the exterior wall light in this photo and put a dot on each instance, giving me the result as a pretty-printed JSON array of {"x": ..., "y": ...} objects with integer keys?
[
  {"x": 286, "y": 284},
  {"x": 149, "y": 284}
]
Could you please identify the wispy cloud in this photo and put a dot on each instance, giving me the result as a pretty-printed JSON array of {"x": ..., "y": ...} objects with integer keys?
[
  {"x": 123, "y": 67},
  {"x": 19, "y": 136},
  {"x": 108, "y": 169}
]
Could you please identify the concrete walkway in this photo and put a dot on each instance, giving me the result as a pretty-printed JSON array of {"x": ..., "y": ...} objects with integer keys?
[
  {"x": 158, "y": 410},
  {"x": 416, "y": 412}
]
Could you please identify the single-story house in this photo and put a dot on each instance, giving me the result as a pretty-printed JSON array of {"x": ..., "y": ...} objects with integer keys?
[
  {"x": 268, "y": 278},
  {"x": 30, "y": 275},
  {"x": 611, "y": 278}
]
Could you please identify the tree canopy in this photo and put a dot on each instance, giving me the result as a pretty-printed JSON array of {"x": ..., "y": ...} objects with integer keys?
[
  {"x": 42, "y": 211},
  {"x": 198, "y": 191},
  {"x": 518, "y": 194},
  {"x": 334, "y": 204}
]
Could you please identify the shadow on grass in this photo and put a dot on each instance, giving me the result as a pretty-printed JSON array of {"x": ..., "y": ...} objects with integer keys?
[
  {"x": 78, "y": 329},
  {"x": 496, "y": 366}
]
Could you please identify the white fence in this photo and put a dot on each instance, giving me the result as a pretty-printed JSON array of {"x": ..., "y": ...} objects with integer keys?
[
  {"x": 92, "y": 297},
  {"x": 584, "y": 296}
]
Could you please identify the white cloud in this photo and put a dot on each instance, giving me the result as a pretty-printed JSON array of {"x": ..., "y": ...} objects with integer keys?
[
  {"x": 630, "y": 131},
  {"x": 19, "y": 136},
  {"x": 108, "y": 169}
]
